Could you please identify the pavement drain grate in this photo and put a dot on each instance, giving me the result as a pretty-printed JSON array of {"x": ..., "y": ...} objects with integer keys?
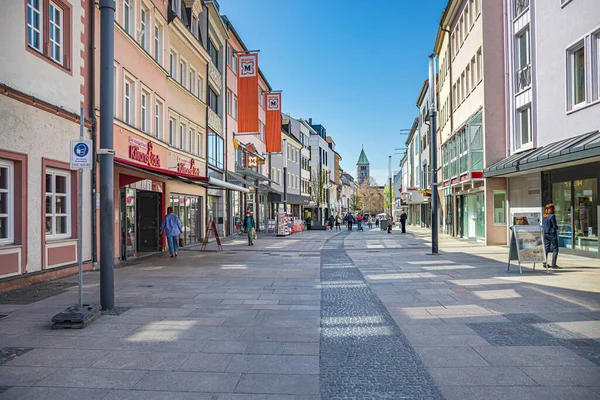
[
  {"x": 364, "y": 354},
  {"x": 146, "y": 286},
  {"x": 116, "y": 311},
  {"x": 10, "y": 353}
]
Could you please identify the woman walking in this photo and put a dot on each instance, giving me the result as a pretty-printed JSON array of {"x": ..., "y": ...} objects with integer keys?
[{"x": 550, "y": 234}]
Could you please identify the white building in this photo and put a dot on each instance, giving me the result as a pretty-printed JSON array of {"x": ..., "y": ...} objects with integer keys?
[
  {"x": 320, "y": 169},
  {"x": 44, "y": 84},
  {"x": 553, "y": 116}
]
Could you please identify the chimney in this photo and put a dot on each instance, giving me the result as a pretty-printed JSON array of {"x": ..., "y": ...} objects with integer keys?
[{"x": 310, "y": 121}]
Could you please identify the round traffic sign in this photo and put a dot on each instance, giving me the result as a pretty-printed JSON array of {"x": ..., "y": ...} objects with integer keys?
[{"x": 81, "y": 149}]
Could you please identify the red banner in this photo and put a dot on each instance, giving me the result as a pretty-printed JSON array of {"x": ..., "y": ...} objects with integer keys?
[
  {"x": 273, "y": 128},
  {"x": 248, "y": 93}
]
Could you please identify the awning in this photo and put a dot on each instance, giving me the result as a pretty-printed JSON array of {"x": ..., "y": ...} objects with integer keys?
[
  {"x": 164, "y": 173},
  {"x": 564, "y": 151},
  {"x": 222, "y": 184},
  {"x": 253, "y": 174},
  {"x": 233, "y": 177}
]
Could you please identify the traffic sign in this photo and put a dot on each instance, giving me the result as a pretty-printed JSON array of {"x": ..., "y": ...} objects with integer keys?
[{"x": 81, "y": 154}]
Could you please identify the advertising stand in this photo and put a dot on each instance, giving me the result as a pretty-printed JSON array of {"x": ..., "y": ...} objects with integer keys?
[{"x": 527, "y": 245}]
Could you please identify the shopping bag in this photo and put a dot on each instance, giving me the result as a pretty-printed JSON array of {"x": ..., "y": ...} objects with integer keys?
[{"x": 181, "y": 242}]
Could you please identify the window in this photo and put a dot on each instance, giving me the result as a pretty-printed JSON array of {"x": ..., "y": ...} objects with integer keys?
[
  {"x": 521, "y": 6},
  {"x": 273, "y": 172},
  {"x": 463, "y": 86},
  {"x": 144, "y": 111},
  {"x": 199, "y": 146},
  {"x": 128, "y": 16},
  {"x": 235, "y": 107},
  {"x": 524, "y": 128},
  {"x": 56, "y": 33},
  {"x": 34, "y": 24},
  {"x": 182, "y": 72},
  {"x": 191, "y": 143},
  {"x": 471, "y": 14},
  {"x": 194, "y": 26},
  {"x": 229, "y": 56},
  {"x": 192, "y": 81},
  {"x": 200, "y": 86},
  {"x": 58, "y": 203},
  {"x": 479, "y": 65},
  {"x": 473, "y": 72},
  {"x": 235, "y": 64},
  {"x": 215, "y": 150},
  {"x": 468, "y": 79},
  {"x": 596, "y": 61},
  {"x": 173, "y": 65},
  {"x": 158, "y": 118},
  {"x": 213, "y": 100},
  {"x": 143, "y": 28},
  {"x": 578, "y": 75},
  {"x": 182, "y": 137},
  {"x": 172, "y": 132},
  {"x": 228, "y": 102},
  {"x": 523, "y": 61},
  {"x": 500, "y": 208},
  {"x": 6, "y": 202},
  {"x": 128, "y": 106},
  {"x": 214, "y": 54},
  {"x": 158, "y": 43},
  {"x": 461, "y": 30},
  {"x": 459, "y": 92}
]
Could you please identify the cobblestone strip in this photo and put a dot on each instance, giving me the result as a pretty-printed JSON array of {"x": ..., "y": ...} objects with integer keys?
[{"x": 364, "y": 355}]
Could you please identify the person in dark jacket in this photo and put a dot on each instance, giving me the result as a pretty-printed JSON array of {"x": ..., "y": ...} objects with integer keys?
[
  {"x": 250, "y": 227},
  {"x": 349, "y": 220},
  {"x": 403, "y": 218},
  {"x": 550, "y": 234},
  {"x": 331, "y": 222}
]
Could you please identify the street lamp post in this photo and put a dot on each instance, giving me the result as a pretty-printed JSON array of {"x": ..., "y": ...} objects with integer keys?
[
  {"x": 390, "y": 179},
  {"x": 433, "y": 162}
]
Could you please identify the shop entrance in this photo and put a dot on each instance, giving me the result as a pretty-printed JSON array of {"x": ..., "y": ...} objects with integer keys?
[{"x": 148, "y": 210}]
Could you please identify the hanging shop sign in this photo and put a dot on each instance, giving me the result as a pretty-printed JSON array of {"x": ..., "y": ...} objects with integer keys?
[
  {"x": 248, "y": 93},
  {"x": 142, "y": 151},
  {"x": 273, "y": 126},
  {"x": 252, "y": 161}
]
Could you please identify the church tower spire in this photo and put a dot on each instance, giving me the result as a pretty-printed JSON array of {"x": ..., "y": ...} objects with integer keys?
[{"x": 362, "y": 168}]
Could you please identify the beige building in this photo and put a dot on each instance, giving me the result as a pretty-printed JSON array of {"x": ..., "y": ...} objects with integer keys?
[{"x": 42, "y": 78}]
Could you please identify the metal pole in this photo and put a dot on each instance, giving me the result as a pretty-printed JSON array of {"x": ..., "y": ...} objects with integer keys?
[
  {"x": 433, "y": 162},
  {"x": 285, "y": 155},
  {"x": 106, "y": 153},
  {"x": 80, "y": 222}
]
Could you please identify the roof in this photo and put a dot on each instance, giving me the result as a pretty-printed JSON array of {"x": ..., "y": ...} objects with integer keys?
[
  {"x": 563, "y": 151},
  {"x": 362, "y": 159}
]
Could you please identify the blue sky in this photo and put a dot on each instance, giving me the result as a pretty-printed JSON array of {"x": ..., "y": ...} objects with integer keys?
[{"x": 356, "y": 67}]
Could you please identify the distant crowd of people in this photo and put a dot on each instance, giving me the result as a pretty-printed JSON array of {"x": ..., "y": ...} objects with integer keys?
[{"x": 335, "y": 222}]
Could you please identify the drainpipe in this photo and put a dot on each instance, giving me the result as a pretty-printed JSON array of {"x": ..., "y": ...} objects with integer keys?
[{"x": 92, "y": 112}]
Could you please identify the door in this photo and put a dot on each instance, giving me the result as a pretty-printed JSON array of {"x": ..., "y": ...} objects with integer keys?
[
  {"x": 585, "y": 192},
  {"x": 149, "y": 217},
  {"x": 128, "y": 223}
]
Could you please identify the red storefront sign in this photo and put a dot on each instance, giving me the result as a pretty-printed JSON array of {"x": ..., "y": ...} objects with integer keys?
[
  {"x": 187, "y": 167},
  {"x": 142, "y": 152}
]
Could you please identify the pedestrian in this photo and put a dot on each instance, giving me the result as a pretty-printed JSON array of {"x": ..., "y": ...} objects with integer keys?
[
  {"x": 250, "y": 225},
  {"x": 338, "y": 223},
  {"x": 403, "y": 218},
  {"x": 359, "y": 221},
  {"x": 550, "y": 234},
  {"x": 377, "y": 222},
  {"x": 370, "y": 222},
  {"x": 172, "y": 228},
  {"x": 331, "y": 222},
  {"x": 390, "y": 224},
  {"x": 349, "y": 220}
]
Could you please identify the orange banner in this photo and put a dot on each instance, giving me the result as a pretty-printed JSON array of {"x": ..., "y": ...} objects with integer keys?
[
  {"x": 248, "y": 93},
  {"x": 273, "y": 128}
]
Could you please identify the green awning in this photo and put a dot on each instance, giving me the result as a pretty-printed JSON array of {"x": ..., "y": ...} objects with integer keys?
[{"x": 563, "y": 151}]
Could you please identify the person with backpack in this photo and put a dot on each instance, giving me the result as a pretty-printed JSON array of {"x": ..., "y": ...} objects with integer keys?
[{"x": 338, "y": 223}]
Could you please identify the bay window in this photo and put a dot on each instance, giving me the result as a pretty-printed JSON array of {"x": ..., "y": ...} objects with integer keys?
[
  {"x": 58, "y": 203},
  {"x": 7, "y": 193},
  {"x": 215, "y": 150}
]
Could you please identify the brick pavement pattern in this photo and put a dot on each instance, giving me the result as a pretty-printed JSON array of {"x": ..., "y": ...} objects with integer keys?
[{"x": 363, "y": 353}]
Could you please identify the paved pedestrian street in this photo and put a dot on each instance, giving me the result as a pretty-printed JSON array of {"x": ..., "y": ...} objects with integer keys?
[{"x": 361, "y": 315}]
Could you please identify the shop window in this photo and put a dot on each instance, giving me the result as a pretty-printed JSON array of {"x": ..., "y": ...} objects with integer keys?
[
  {"x": 58, "y": 204},
  {"x": 7, "y": 192},
  {"x": 215, "y": 150},
  {"x": 500, "y": 208}
]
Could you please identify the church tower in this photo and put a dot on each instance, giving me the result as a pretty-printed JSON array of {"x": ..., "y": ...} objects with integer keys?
[{"x": 362, "y": 168}]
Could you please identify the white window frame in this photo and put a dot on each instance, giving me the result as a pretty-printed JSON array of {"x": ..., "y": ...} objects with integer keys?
[
  {"x": 144, "y": 25},
  {"x": 173, "y": 64},
  {"x": 158, "y": 118},
  {"x": 54, "y": 173},
  {"x": 158, "y": 42},
  {"x": 182, "y": 132},
  {"x": 519, "y": 131},
  {"x": 129, "y": 20},
  {"x": 235, "y": 107},
  {"x": 595, "y": 63},
  {"x": 199, "y": 145},
  {"x": 172, "y": 133},
  {"x": 190, "y": 148},
  {"x": 35, "y": 31},
  {"x": 10, "y": 192},
  {"x": 479, "y": 62},
  {"x": 192, "y": 76},
  {"x": 580, "y": 45},
  {"x": 53, "y": 41},
  {"x": 144, "y": 114},
  {"x": 129, "y": 118},
  {"x": 183, "y": 67},
  {"x": 200, "y": 83}
]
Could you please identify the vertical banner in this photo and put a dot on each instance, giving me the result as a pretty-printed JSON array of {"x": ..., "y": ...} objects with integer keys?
[
  {"x": 273, "y": 128},
  {"x": 248, "y": 93}
]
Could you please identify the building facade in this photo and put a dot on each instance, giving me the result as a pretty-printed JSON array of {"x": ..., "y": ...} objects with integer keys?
[
  {"x": 320, "y": 172},
  {"x": 553, "y": 159},
  {"x": 44, "y": 79}
]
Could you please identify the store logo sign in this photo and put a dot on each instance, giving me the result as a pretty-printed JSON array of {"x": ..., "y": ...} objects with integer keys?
[
  {"x": 248, "y": 66},
  {"x": 142, "y": 152},
  {"x": 187, "y": 167},
  {"x": 252, "y": 161}
]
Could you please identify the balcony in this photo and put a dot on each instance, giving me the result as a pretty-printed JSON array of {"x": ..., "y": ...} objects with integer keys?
[
  {"x": 523, "y": 78},
  {"x": 214, "y": 121},
  {"x": 214, "y": 76}
]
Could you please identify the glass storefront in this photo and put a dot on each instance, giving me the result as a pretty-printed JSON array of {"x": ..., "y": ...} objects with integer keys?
[
  {"x": 129, "y": 230},
  {"x": 189, "y": 211},
  {"x": 576, "y": 205}
]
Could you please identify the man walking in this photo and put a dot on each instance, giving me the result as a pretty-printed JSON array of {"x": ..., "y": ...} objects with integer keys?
[
  {"x": 331, "y": 222},
  {"x": 403, "y": 218},
  {"x": 349, "y": 220},
  {"x": 172, "y": 228},
  {"x": 338, "y": 223},
  {"x": 249, "y": 224}
]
